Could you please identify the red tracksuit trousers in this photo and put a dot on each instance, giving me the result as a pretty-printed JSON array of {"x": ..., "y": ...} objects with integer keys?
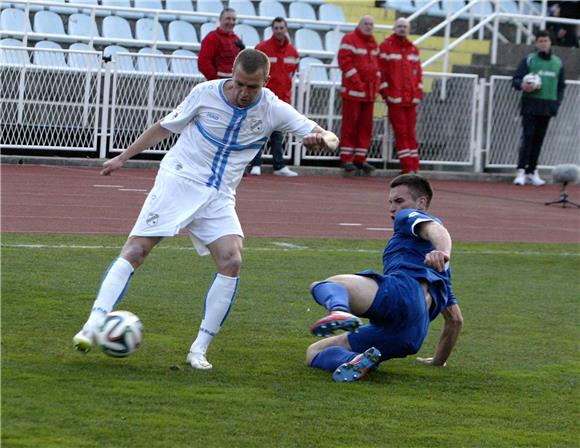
[
  {"x": 403, "y": 120},
  {"x": 356, "y": 131}
]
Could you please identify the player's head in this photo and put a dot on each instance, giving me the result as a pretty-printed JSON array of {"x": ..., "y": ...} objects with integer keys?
[
  {"x": 409, "y": 191},
  {"x": 279, "y": 28},
  {"x": 402, "y": 27},
  {"x": 250, "y": 74},
  {"x": 228, "y": 19},
  {"x": 543, "y": 41},
  {"x": 366, "y": 24}
]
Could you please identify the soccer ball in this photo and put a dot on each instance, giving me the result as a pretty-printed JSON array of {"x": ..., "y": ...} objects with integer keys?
[
  {"x": 533, "y": 80},
  {"x": 120, "y": 334}
]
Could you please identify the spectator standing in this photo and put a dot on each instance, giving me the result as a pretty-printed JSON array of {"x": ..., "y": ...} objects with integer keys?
[
  {"x": 538, "y": 105},
  {"x": 220, "y": 48},
  {"x": 402, "y": 89},
  {"x": 565, "y": 35},
  {"x": 283, "y": 64},
  {"x": 358, "y": 61}
]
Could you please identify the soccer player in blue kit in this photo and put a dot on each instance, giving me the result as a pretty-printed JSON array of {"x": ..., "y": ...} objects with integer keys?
[{"x": 414, "y": 289}]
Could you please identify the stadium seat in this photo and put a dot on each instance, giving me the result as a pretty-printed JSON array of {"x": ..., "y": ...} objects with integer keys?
[
  {"x": 404, "y": 6},
  {"x": 13, "y": 56},
  {"x": 308, "y": 40},
  {"x": 303, "y": 11},
  {"x": 83, "y": 61},
  {"x": 211, "y": 6},
  {"x": 14, "y": 20},
  {"x": 509, "y": 6},
  {"x": 246, "y": 8},
  {"x": 124, "y": 4},
  {"x": 248, "y": 34},
  {"x": 184, "y": 62},
  {"x": 62, "y": 9},
  {"x": 48, "y": 22},
  {"x": 206, "y": 28},
  {"x": 271, "y": 9},
  {"x": 33, "y": 7},
  {"x": 80, "y": 25},
  {"x": 153, "y": 4},
  {"x": 116, "y": 27},
  {"x": 450, "y": 8},
  {"x": 98, "y": 13},
  {"x": 53, "y": 59},
  {"x": 144, "y": 30},
  {"x": 331, "y": 13},
  {"x": 186, "y": 6},
  {"x": 434, "y": 10},
  {"x": 121, "y": 62},
  {"x": 317, "y": 73},
  {"x": 332, "y": 40},
  {"x": 150, "y": 62},
  {"x": 313, "y": 2},
  {"x": 182, "y": 32}
]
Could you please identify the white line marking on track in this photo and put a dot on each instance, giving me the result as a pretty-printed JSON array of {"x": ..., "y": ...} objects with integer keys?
[
  {"x": 349, "y": 224},
  {"x": 290, "y": 246},
  {"x": 108, "y": 186}
]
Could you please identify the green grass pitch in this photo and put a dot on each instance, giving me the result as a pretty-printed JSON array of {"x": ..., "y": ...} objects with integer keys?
[{"x": 512, "y": 381}]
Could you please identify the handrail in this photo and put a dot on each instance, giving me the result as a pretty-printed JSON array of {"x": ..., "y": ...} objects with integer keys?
[
  {"x": 421, "y": 10},
  {"x": 445, "y": 22}
]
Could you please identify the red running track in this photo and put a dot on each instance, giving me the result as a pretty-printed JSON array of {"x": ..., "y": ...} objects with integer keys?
[{"x": 76, "y": 200}]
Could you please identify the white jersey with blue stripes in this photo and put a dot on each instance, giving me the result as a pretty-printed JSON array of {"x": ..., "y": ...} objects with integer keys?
[{"x": 217, "y": 139}]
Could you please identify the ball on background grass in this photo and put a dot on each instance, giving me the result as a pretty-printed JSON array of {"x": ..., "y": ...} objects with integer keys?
[
  {"x": 120, "y": 334},
  {"x": 534, "y": 80}
]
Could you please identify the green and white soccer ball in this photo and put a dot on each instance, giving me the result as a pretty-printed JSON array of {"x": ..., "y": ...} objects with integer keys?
[
  {"x": 120, "y": 334},
  {"x": 534, "y": 80}
]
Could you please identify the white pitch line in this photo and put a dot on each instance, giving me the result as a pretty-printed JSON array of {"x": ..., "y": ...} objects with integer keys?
[
  {"x": 285, "y": 248},
  {"x": 349, "y": 224}
]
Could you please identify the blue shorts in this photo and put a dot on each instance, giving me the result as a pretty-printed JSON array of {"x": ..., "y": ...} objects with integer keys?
[{"x": 399, "y": 317}]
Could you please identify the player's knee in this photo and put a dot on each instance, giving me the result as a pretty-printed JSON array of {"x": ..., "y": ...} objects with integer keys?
[
  {"x": 311, "y": 353},
  {"x": 230, "y": 263},
  {"x": 135, "y": 254}
]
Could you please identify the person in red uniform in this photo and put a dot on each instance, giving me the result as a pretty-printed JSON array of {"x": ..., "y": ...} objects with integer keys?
[
  {"x": 220, "y": 47},
  {"x": 402, "y": 89},
  {"x": 283, "y": 64},
  {"x": 358, "y": 61}
]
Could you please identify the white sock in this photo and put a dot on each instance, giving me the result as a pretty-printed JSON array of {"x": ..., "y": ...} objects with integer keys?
[
  {"x": 113, "y": 287},
  {"x": 218, "y": 302}
]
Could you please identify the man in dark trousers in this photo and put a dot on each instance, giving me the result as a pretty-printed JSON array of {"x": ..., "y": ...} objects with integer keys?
[{"x": 540, "y": 102}]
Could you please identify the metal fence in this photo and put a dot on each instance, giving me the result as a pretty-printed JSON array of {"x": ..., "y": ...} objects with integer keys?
[
  {"x": 100, "y": 110},
  {"x": 504, "y": 130}
]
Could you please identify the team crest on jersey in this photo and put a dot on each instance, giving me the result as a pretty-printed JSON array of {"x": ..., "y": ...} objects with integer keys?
[
  {"x": 256, "y": 125},
  {"x": 152, "y": 219}
]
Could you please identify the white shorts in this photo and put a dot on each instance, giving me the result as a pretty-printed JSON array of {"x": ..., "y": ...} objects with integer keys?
[{"x": 177, "y": 203}]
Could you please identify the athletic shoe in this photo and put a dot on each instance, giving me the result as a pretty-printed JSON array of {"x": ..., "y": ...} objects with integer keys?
[
  {"x": 535, "y": 179},
  {"x": 198, "y": 361},
  {"x": 256, "y": 171},
  {"x": 285, "y": 172},
  {"x": 366, "y": 167},
  {"x": 358, "y": 367},
  {"x": 520, "y": 177},
  {"x": 335, "y": 321},
  {"x": 348, "y": 167},
  {"x": 84, "y": 340}
]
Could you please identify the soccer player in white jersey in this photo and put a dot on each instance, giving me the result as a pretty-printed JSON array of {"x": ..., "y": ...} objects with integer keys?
[{"x": 222, "y": 124}]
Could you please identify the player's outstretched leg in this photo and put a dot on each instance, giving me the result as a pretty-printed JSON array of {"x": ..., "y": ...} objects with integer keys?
[
  {"x": 357, "y": 368},
  {"x": 335, "y": 321},
  {"x": 113, "y": 288}
]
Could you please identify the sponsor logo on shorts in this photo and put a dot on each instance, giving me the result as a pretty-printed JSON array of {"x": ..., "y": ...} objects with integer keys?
[
  {"x": 152, "y": 219},
  {"x": 178, "y": 166}
]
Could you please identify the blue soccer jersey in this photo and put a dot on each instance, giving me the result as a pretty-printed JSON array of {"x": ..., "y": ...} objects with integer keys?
[{"x": 406, "y": 251}]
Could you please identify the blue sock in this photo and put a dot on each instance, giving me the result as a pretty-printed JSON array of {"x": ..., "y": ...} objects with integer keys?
[
  {"x": 332, "y": 357},
  {"x": 332, "y": 296}
]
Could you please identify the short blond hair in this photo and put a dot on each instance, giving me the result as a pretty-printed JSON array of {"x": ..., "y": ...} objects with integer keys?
[{"x": 252, "y": 60}]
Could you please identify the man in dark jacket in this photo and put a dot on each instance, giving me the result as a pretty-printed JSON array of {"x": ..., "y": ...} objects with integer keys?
[{"x": 540, "y": 102}]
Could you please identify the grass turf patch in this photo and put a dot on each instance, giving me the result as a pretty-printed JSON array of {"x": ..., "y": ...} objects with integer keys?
[{"x": 512, "y": 380}]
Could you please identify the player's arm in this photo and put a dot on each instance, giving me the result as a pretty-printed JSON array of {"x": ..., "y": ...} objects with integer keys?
[
  {"x": 449, "y": 336},
  {"x": 440, "y": 239},
  {"x": 147, "y": 139},
  {"x": 321, "y": 139}
]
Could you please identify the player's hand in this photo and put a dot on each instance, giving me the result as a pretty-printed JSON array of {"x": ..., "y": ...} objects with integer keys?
[
  {"x": 111, "y": 165},
  {"x": 528, "y": 87},
  {"x": 313, "y": 140},
  {"x": 437, "y": 259},
  {"x": 429, "y": 361}
]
